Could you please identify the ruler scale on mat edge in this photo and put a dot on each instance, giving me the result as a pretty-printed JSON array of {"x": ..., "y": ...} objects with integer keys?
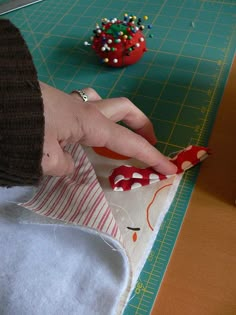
[
  {"x": 152, "y": 274},
  {"x": 11, "y": 5}
]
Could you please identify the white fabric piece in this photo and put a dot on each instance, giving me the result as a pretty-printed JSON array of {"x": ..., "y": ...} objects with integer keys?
[{"x": 56, "y": 269}]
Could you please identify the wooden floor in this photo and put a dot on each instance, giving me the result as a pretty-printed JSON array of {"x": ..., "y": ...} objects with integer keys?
[{"x": 201, "y": 276}]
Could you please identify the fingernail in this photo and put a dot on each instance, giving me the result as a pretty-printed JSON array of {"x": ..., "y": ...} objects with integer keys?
[
  {"x": 153, "y": 140},
  {"x": 175, "y": 169}
]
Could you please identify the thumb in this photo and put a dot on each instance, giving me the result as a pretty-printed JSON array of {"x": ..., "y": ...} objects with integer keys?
[{"x": 57, "y": 162}]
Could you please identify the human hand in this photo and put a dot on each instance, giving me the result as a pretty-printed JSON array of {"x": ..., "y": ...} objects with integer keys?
[{"x": 69, "y": 120}]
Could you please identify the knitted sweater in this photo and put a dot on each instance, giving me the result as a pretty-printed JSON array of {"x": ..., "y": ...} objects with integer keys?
[{"x": 21, "y": 111}]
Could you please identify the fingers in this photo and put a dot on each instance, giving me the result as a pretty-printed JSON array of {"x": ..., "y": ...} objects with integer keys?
[
  {"x": 128, "y": 143},
  {"x": 122, "y": 109},
  {"x": 105, "y": 132},
  {"x": 102, "y": 132}
]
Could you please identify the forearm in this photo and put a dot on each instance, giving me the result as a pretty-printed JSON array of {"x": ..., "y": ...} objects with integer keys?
[{"x": 21, "y": 111}]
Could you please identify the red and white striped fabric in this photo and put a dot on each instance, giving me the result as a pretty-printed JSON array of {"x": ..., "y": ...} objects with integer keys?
[
  {"x": 78, "y": 199},
  {"x": 128, "y": 177}
]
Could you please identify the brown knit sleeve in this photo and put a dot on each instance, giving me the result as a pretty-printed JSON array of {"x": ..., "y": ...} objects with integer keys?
[{"x": 21, "y": 111}]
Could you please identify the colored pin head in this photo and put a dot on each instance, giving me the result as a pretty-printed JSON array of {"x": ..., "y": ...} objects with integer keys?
[{"x": 119, "y": 43}]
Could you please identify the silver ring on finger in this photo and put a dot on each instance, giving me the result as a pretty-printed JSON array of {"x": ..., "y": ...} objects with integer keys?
[{"x": 82, "y": 94}]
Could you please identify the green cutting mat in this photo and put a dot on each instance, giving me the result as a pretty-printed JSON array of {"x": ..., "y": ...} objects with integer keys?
[{"x": 178, "y": 83}]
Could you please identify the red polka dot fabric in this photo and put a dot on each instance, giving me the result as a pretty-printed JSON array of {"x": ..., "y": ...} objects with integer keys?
[{"x": 127, "y": 177}]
